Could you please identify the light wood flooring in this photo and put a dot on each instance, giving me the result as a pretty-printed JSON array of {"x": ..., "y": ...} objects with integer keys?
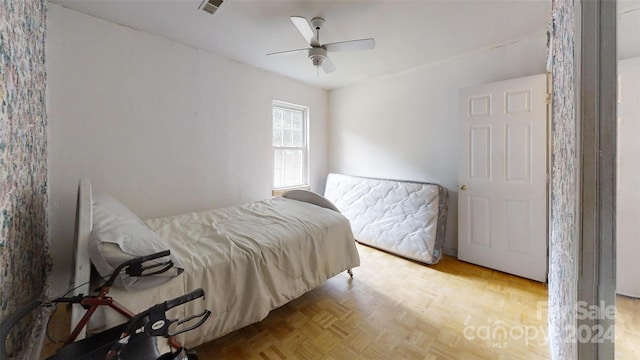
[
  {"x": 627, "y": 328},
  {"x": 397, "y": 309}
]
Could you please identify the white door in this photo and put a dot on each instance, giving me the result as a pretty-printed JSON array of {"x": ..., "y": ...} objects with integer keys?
[
  {"x": 502, "y": 176},
  {"x": 628, "y": 179}
]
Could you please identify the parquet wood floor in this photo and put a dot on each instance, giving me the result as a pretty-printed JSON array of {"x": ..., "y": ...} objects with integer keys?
[
  {"x": 627, "y": 328},
  {"x": 397, "y": 309}
]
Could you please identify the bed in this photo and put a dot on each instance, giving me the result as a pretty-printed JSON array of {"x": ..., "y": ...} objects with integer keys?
[
  {"x": 249, "y": 259},
  {"x": 407, "y": 218}
]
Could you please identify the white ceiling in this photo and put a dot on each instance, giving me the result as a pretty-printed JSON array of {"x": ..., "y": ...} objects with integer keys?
[{"x": 408, "y": 34}]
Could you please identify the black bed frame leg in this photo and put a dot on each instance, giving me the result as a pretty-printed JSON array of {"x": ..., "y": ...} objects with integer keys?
[{"x": 350, "y": 272}]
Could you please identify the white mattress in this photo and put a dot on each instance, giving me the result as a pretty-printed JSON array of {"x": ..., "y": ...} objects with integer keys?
[
  {"x": 249, "y": 260},
  {"x": 405, "y": 218}
]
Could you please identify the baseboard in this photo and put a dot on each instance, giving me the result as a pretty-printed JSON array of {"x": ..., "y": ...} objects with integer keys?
[{"x": 450, "y": 252}]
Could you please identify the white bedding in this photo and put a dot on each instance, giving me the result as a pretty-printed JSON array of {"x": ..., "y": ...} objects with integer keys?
[{"x": 249, "y": 260}]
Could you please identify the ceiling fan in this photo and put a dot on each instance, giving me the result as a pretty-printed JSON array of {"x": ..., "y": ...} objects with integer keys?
[{"x": 318, "y": 52}]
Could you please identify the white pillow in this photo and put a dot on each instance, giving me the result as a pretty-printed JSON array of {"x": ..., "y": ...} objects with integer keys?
[
  {"x": 311, "y": 198},
  {"x": 119, "y": 235}
]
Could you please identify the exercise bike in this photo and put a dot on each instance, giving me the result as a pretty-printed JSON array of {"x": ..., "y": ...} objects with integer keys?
[{"x": 134, "y": 339}]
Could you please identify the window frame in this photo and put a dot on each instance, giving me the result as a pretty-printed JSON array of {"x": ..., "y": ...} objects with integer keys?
[{"x": 305, "y": 146}]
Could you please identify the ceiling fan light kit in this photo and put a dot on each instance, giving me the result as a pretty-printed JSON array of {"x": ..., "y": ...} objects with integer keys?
[
  {"x": 317, "y": 53},
  {"x": 317, "y": 56}
]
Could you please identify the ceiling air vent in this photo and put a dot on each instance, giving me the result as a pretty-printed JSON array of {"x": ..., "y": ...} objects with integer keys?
[{"x": 210, "y": 6}]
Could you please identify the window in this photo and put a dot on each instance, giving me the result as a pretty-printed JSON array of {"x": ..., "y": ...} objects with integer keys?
[{"x": 289, "y": 145}]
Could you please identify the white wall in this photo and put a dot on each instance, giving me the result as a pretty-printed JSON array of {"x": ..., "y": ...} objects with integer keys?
[
  {"x": 629, "y": 32},
  {"x": 628, "y": 179},
  {"x": 162, "y": 126},
  {"x": 406, "y": 126}
]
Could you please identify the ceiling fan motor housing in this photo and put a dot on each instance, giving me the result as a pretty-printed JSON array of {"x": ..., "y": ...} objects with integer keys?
[
  {"x": 317, "y": 23},
  {"x": 317, "y": 55}
]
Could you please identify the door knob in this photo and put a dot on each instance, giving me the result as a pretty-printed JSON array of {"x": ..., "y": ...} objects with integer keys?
[{"x": 463, "y": 187}]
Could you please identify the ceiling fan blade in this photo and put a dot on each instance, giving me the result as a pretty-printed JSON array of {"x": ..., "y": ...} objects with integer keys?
[
  {"x": 305, "y": 29},
  {"x": 362, "y": 44},
  {"x": 287, "y": 52},
  {"x": 327, "y": 66}
]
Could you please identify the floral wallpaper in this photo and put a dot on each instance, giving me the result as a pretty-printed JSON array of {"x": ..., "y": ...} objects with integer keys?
[
  {"x": 24, "y": 259},
  {"x": 563, "y": 270}
]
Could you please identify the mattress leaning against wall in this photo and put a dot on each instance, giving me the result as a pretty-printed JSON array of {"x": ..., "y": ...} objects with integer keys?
[{"x": 403, "y": 217}]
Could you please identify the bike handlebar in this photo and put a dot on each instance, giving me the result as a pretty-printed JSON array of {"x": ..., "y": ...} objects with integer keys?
[
  {"x": 197, "y": 293},
  {"x": 137, "y": 265},
  {"x": 158, "y": 324}
]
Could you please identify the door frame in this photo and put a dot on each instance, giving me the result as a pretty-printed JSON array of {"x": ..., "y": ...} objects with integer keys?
[{"x": 596, "y": 24}]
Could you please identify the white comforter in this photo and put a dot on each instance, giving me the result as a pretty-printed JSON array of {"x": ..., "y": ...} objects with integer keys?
[{"x": 249, "y": 260}]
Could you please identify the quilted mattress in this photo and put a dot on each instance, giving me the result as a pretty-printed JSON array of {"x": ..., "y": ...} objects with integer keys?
[{"x": 401, "y": 217}]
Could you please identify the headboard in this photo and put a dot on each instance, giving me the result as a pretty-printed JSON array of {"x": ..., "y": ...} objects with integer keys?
[
  {"x": 407, "y": 218},
  {"x": 84, "y": 224}
]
